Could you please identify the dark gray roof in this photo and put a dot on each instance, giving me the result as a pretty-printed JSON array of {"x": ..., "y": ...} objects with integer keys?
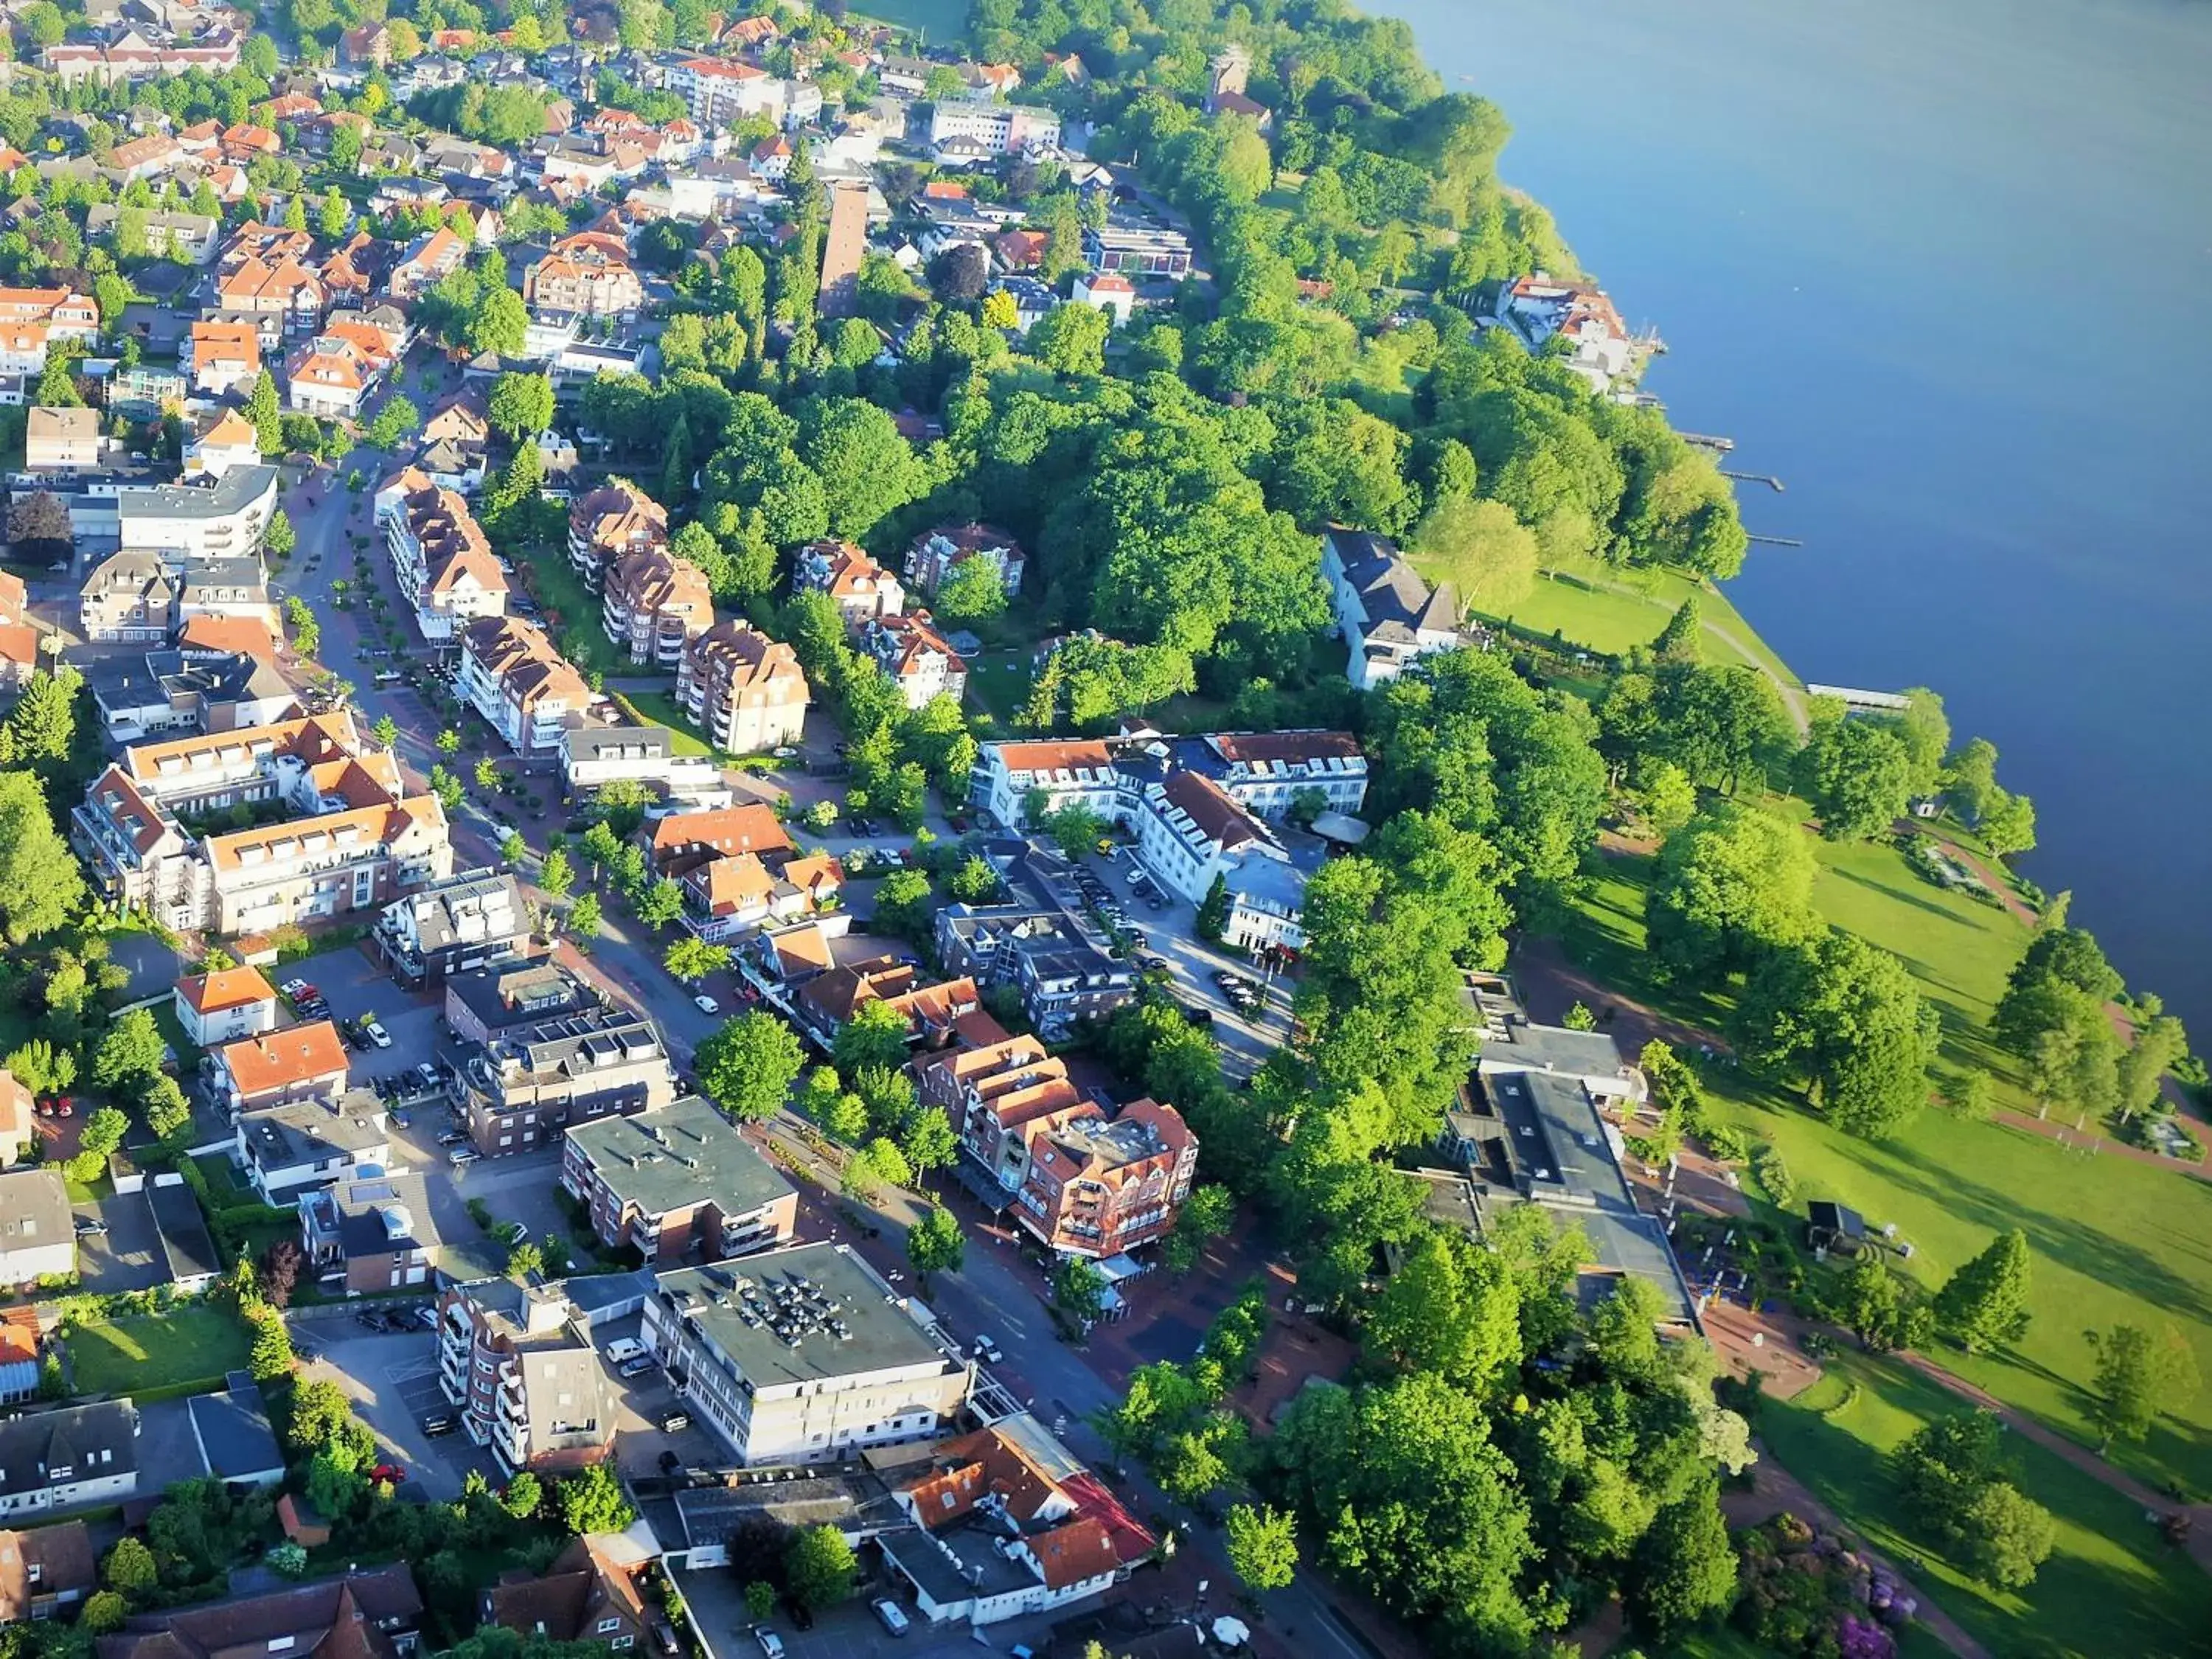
[
  {"x": 1392, "y": 591},
  {"x": 854, "y": 1500},
  {"x": 125, "y": 683},
  {"x": 35, "y": 1211},
  {"x": 574, "y": 1044},
  {"x": 237, "y": 488},
  {"x": 519, "y": 993},
  {"x": 587, "y": 738},
  {"x": 186, "y": 1244},
  {"x": 879, "y": 1334},
  {"x": 686, "y": 1153},
  {"x": 376, "y": 1214},
  {"x": 307, "y": 1131},
  {"x": 1531, "y": 1047},
  {"x": 88, "y": 1441},
  {"x": 235, "y": 1434},
  {"x": 478, "y": 907}
]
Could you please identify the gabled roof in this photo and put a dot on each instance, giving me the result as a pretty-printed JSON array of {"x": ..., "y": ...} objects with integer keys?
[
  {"x": 280, "y": 1059},
  {"x": 228, "y": 988}
]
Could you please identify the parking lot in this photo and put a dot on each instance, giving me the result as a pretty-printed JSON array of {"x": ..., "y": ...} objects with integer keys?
[
  {"x": 644, "y": 1399},
  {"x": 355, "y": 987},
  {"x": 848, "y": 1630},
  {"x": 392, "y": 1381},
  {"x": 128, "y": 1256}
]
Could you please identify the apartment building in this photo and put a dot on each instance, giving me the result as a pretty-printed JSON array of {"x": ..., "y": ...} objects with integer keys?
[
  {"x": 38, "y": 1230},
  {"x": 995, "y": 1097},
  {"x": 721, "y": 90},
  {"x": 371, "y": 1234},
  {"x": 271, "y": 1067},
  {"x": 61, "y": 440},
  {"x": 526, "y": 1083},
  {"x": 1057, "y": 962},
  {"x": 223, "y": 356},
  {"x": 934, "y": 553},
  {"x": 1000, "y": 129},
  {"x": 862, "y": 589},
  {"x": 654, "y": 602},
  {"x": 68, "y": 1457},
  {"x": 920, "y": 662},
  {"x": 1264, "y": 771},
  {"x": 466, "y": 921},
  {"x": 1387, "y": 613},
  {"x": 587, "y": 274},
  {"x": 331, "y": 376},
  {"x": 428, "y": 260},
  {"x": 800, "y": 1356},
  {"x": 676, "y": 1180},
  {"x": 1097, "y": 1185},
  {"x": 527, "y": 691},
  {"x": 219, "y": 517},
  {"x": 481, "y": 1003},
  {"x": 444, "y": 562},
  {"x": 526, "y": 1386},
  {"x": 1138, "y": 250},
  {"x": 744, "y": 690},
  {"x": 593, "y": 754},
  {"x": 610, "y": 522},
  {"x": 129, "y": 598},
  {"x": 227, "y": 1006}
]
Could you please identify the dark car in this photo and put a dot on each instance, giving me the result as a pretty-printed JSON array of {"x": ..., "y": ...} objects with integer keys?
[{"x": 437, "y": 1424}]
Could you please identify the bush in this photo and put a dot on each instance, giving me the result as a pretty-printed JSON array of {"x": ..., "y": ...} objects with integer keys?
[
  {"x": 1727, "y": 1144},
  {"x": 1774, "y": 1177}
]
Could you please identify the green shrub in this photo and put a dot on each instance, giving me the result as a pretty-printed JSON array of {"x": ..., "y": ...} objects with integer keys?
[{"x": 1774, "y": 1177}]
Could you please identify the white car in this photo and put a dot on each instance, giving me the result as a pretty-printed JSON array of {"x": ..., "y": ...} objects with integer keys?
[
  {"x": 770, "y": 1643},
  {"x": 462, "y": 1156},
  {"x": 706, "y": 1005},
  {"x": 784, "y": 751},
  {"x": 376, "y": 1033},
  {"x": 988, "y": 1352},
  {"x": 623, "y": 1350}
]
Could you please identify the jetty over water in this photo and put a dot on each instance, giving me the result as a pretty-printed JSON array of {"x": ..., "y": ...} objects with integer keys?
[{"x": 1869, "y": 703}]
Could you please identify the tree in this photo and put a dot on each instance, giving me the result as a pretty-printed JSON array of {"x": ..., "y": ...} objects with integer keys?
[
  {"x": 131, "y": 1054},
  {"x": 1879, "y": 1307},
  {"x": 749, "y": 1066},
  {"x": 1684, "y": 1569},
  {"x": 394, "y": 423},
  {"x": 104, "y": 1610},
  {"x": 41, "y": 1067},
  {"x": 446, "y": 788},
  {"x": 2009, "y": 1535},
  {"x": 101, "y": 1135},
  {"x": 270, "y": 1356},
  {"x": 1070, "y": 339},
  {"x": 660, "y": 903},
  {"x": 1731, "y": 884},
  {"x": 819, "y": 1567},
  {"x": 972, "y": 591},
  {"x": 1263, "y": 1546},
  {"x": 1208, "y": 1213},
  {"x": 591, "y": 1501},
  {"x": 1985, "y": 1302},
  {"x": 1489, "y": 557},
  {"x": 2137, "y": 1375},
  {"x": 1450, "y": 1309},
  {"x": 1213, "y": 919},
  {"x": 499, "y": 324},
  {"x": 583, "y": 920},
  {"x": 1848, "y": 1018},
  {"x": 524, "y": 1261},
  {"x": 875, "y": 1036},
  {"x": 2158, "y": 1045},
  {"x": 1858, "y": 776},
  {"x": 1080, "y": 1290},
  {"x": 39, "y": 528},
  {"x": 1678, "y": 639},
  {"x": 934, "y": 1243},
  {"x": 957, "y": 274},
  {"x": 266, "y": 410},
  {"x": 520, "y": 406},
  {"x": 279, "y": 537},
  {"x": 690, "y": 959},
  {"x": 130, "y": 1567},
  {"x": 555, "y": 874},
  {"x": 280, "y": 1272}
]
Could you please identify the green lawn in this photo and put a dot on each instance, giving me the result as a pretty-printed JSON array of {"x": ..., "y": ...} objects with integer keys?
[
  {"x": 2113, "y": 1240},
  {"x": 2111, "y": 1586},
  {"x": 572, "y": 617},
  {"x": 1609, "y": 608},
  {"x": 186, "y": 1345},
  {"x": 661, "y": 706}
]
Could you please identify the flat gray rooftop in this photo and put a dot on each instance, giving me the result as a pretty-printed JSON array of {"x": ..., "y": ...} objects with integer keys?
[
  {"x": 683, "y": 1155},
  {"x": 819, "y": 1283}
]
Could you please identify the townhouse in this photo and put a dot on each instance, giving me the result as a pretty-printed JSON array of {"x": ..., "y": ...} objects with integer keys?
[
  {"x": 744, "y": 690},
  {"x": 68, "y": 1457},
  {"x": 369, "y": 1234},
  {"x": 992, "y": 1094},
  {"x": 526, "y": 1083},
  {"x": 227, "y": 440},
  {"x": 1096, "y": 1186},
  {"x": 129, "y": 52},
  {"x": 527, "y": 691},
  {"x": 278, "y": 296},
  {"x": 443, "y": 561},
  {"x": 826, "y": 1004},
  {"x": 654, "y": 603},
  {"x": 800, "y": 1356},
  {"x": 526, "y": 1387},
  {"x": 918, "y": 658},
  {"x": 862, "y": 589},
  {"x": 610, "y": 522},
  {"x": 452, "y": 926},
  {"x": 676, "y": 1180},
  {"x": 224, "y": 356}
]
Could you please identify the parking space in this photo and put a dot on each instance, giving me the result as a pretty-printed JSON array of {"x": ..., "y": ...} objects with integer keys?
[
  {"x": 355, "y": 987},
  {"x": 392, "y": 1381},
  {"x": 128, "y": 1256},
  {"x": 643, "y": 1401}
]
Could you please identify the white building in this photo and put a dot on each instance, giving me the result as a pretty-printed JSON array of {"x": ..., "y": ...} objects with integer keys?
[
  {"x": 593, "y": 754},
  {"x": 223, "y": 518},
  {"x": 69, "y": 1457},
  {"x": 801, "y": 1356},
  {"x": 513, "y": 677},
  {"x": 1540, "y": 308},
  {"x": 1003, "y": 128},
  {"x": 1387, "y": 614},
  {"x": 38, "y": 1231},
  {"x": 223, "y": 1006},
  {"x": 306, "y": 1145}
]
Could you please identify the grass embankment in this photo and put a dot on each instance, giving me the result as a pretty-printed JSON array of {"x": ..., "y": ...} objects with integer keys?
[
  {"x": 156, "y": 1350},
  {"x": 2112, "y": 1585},
  {"x": 1609, "y": 608},
  {"x": 2113, "y": 1239}
]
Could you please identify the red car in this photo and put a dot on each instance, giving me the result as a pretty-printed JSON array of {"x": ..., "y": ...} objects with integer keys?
[{"x": 395, "y": 1474}]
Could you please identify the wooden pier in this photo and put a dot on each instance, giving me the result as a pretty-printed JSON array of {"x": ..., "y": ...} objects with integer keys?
[
  {"x": 1773, "y": 541},
  {"x": 1704, "y": 441},
  {"x": 1767, "y": 478}
]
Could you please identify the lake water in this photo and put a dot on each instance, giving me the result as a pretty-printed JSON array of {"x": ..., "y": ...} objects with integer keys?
[{"x": 1947, "y": 271}]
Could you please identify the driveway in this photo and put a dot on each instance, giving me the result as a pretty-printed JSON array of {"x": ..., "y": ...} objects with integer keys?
[
  {"x": 128, "y": 1256},
  {"x": 392, "y": 1382}
]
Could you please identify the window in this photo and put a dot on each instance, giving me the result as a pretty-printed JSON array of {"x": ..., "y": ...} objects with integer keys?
[
  {"x": 607, "y": 1624},
  {"x": 621, "y": 1642}
]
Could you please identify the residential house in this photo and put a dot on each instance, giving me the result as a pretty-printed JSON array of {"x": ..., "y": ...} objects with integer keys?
[
  {"x": 503, "y": 995},
  {"x": 654, "y": 602},
  {"x": 1541, "y": 309},
  {"x": 243, "y": 141},
  {"x": 1108, "y": 291},
  {"x": 800, "y": 1356},
  {"x": 370, "y": 1233},
  {"x": 726, "y": 896},
  {"x": 62, "y": 440},
  {"x": 232, "y": 1432},
  {"x": 1387, "y": 613},
  {"x": 135, "y": 159},
  {"x": 920, "y": 662},
  {"x": 862, "y": 589},
  {"x": 675, "y": 1181},
  {"x": 513, "y": 677},
  {"x": 369, "y": 46},
  {"x": 429, "y": 259},
  {"x": 129, "y": 598},
  {"x": 444, "y": 562},
  {"x": 227, "y": 440},
  {"x": 368, "y": 1612},
  {"x": 192, "y": 238},
  {"x": 227, "y": 1006},
  {"x": 527, "y": 1083},
  {"x": 309, "y": 1142},
  {"x": 936, "y": 552},
  {"x": 462, "y": 923},
  {"x": 224, "y": 356},
  {"x": 826, "y": 1004},
  {"x": 331, "y": 375},
  {"x": 609, "y": 522},
  {"x": 589, "y": 1594},
  {"x": 1006, "y": 1522},
  {"x": 18, "y": 1126},
  {"x": 281, "y": 297},
  {"x": 38, "y": 1237},
  {"x": 526, "y": 1388},
  {"x": 682, "y": 841},
  {"x": 69, "y": 1457},
  {"x": 46, "y": 1570},
  {"x": 744, "y": 690},
  {"x": 270, "y": 1068},
  {"x": 593, "y": 754}
]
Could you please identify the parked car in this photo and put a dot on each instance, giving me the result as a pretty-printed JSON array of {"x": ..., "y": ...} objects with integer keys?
[
  {"x": 90, "y": 1226},
  {"x": 637, "y": 1367},
  {"x": 438, "y": 1423},
  {"x": 770, "y": 1643},
  {"x": 371, "y": 1029},
  {"x": 706, "y": 1005},
  {"x": 461, "y": 1157},
  {"x": 394, "y": 1473},
  {"x": 295, "y": 988},
  {"x": 452, "y": 1138},
  {"x": 891, "y": 1616},
  {"x": 784, "y": 751},
  {"x": 675, "y": 1422}
]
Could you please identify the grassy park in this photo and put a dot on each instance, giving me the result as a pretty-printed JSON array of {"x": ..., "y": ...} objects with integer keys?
[
  {"x": 156, "y": 1350},
  {"x": 1609, "y": 608},
  {"x": 2111, "y": 1584}
]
